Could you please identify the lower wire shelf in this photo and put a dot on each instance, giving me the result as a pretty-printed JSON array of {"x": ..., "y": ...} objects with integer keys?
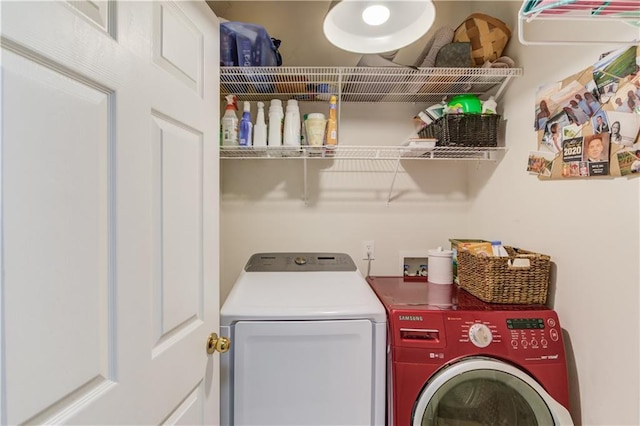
[{"x": 342, "y": 152}]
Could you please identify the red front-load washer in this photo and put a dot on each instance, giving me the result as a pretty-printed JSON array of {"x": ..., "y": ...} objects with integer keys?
[{"x": 455, "y": 360}]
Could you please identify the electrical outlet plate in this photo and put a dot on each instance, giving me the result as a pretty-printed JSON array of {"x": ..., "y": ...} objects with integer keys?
[{"x": 368, "y": 250}]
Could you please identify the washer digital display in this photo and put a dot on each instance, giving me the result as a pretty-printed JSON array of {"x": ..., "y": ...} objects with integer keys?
[{"x": 525, "y": 323}]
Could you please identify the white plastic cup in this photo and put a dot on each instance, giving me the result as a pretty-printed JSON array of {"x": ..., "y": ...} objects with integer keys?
[
  {"x": 439, "y": 296},
  {"x": 440, "y": 266}
]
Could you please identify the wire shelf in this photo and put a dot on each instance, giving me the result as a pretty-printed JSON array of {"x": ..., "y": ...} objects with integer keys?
[
  {"x": 598, "y": 13},
  {"x": 566, "y": 9},
  {"x": 362, "y": 84},
  {"x": 360, "y": 153}
]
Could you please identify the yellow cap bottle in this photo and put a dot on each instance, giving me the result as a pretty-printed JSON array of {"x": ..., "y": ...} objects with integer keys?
[{"x": 332, "y": 122}]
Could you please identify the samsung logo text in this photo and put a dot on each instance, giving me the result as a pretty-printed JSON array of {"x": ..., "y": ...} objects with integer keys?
[{"x": 410, "y": 318}]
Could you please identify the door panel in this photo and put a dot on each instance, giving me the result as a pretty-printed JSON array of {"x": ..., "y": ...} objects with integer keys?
[
  {"x": 109, "y": 213},
  {"x": 178, "y": 169},
  {"x": 189, "y": 411},
  {"x": 62, "y": 195},
  {"x": 178, "y": 45},
  {"x": 97, "y": 11}
]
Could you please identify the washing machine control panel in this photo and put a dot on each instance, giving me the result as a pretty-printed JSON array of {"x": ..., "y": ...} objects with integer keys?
[
  {"x": 526, "y": 335},
  {"x": 300, "y": 262},
  {"x": 480, "y": 335},
  {"x": 480, "y": 332},
  {"x": 533, "y": 333}
]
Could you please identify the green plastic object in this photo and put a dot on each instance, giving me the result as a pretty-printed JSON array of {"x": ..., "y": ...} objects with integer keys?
[{"x": 467, "y": 104}]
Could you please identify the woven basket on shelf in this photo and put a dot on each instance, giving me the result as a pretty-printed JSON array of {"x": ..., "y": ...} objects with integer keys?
[
  {"x": 464, "y": 130},
  {"x": 494, "y": 280},
  {"x": 488, "y": 37}
]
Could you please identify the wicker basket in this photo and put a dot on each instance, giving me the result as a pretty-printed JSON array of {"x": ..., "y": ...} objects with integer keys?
[
  {"x": 488, "y": 37},
  {"x": 464, "y": 130},
  {"x": 494, "y": 280}
]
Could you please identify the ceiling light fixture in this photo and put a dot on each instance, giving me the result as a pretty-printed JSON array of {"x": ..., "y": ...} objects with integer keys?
[
  {"x": 369, "y": 26},
  {"x": 376, "y": 14}
]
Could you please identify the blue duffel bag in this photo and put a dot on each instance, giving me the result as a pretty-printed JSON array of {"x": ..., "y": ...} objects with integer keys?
[{"x": 247, "y": 45}]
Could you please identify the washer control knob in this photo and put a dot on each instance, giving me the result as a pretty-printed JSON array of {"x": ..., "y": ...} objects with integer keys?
[
  {"x": 300, "y": 260},
  {"x": 480, "y": 335}
]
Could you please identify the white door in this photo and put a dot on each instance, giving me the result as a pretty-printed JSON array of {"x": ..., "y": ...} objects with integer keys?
[{"x": 109, "y": 208}]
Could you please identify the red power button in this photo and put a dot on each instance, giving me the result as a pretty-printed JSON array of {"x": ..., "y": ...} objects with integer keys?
[{"x": 553, "y": 333}]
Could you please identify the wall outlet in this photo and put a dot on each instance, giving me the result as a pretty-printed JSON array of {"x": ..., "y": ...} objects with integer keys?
[{"x": 368, "y": 250}]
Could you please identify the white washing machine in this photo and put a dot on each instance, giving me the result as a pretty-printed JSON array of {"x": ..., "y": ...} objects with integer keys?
[{"x": 309, "y": 341}]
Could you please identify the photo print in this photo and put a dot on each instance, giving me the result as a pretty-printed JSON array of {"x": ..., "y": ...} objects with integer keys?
[
  {"x": 572, "y": 150},
  {"x": 610, "y": 70},
  {"x": 629, "y": 162},
  {"x": 627, "y": 98},
  {"x": 623, "y": 128},
  {"x": 552, "y": 139},
  {"x": 575, "y": 169},
  {"x": 544, "y": 105},
  {"x": 595, "y": 152},
  {"x": 571, "y": 131},
  {"x": 599, "y": 123},
  {"x": 540, "y": 163},
  {"x": 571, "y": 99}
]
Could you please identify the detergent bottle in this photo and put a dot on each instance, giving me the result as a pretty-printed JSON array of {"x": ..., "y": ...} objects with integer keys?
[
  {"x": 260, "y": 129},
  {"x": 245, "y": 127},
  {"x": 229, "y": 123},
  {"x": 332, "y": 123},
  {"x": 490, "y": 106}
]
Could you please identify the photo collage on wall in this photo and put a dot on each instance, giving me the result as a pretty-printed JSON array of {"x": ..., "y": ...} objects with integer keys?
[{"x": 588, "y": 124}]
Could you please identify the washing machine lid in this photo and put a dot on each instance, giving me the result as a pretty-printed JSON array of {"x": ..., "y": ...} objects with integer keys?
[
  {"x": 323, "y": 286},
  {"x": 487, "y": 391}
]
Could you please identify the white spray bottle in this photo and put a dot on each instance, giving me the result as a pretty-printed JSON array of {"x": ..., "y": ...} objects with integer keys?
[
  {"x": 229, "y": 123},
  {"x": 260, "y": 129},
  {"x": 490, "y": 106}
]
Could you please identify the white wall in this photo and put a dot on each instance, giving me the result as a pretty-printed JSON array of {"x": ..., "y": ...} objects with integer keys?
[{"x": 589, "y": 227}]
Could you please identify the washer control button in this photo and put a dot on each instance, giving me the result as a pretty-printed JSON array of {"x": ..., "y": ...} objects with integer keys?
[
  {"x": 480, "y": 335},
  {"x": 553, "y": 333},
  {"x": 551, "y": 322}
]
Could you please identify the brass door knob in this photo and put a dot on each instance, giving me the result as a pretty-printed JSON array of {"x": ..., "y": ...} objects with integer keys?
[{"x": 215, "y": 343}]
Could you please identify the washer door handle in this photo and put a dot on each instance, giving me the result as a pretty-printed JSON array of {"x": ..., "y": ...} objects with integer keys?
[{"x": 215, "y": 343}]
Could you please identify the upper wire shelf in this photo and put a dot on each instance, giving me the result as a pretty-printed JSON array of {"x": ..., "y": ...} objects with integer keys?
[
  {"x": 362, "y": 84},
  {"x": 601, "y": 15}
]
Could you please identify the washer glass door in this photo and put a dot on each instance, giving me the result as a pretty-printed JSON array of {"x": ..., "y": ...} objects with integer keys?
[{"x": 478, "y": 392}]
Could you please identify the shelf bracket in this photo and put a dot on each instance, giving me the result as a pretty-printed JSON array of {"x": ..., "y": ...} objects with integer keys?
[
  {"x": 393, "y": 181},
  {"x": 306, "y": 194},
  {"x": 503, "y": 86}
]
